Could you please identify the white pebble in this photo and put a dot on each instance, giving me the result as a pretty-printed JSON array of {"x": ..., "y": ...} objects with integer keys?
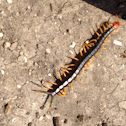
[
  {"x": 2, "y": 12},
  {"x": 48, "y": 116},
  {"x": 22, "y": 59},
  {"x": 98, "y": 64},
  {"x": 25, "y": 58},
  {"x": 48, "y": 50},
  {"x": 41, "y": 118},
  {"x": 123, "y": 66},
  {"x": 73, "y": 45},
  {"x": 9, "y": 1},
  {"x": 115, "y": 56},
  {"x": 87, "y": 42},
  {"x": 49, "y": 75},
  {"x": 7, "y": 44},
  {"x": 60, "y": 17},
  {"x": 13, "y": 46},
  {"x": 13, "y": 119},
  {"x": 18, "y": 86},
  {"x": 2, "y": 72},
  {"x": 29, "y": 7},
  {"x": 70, "y": 51},
  {"x": 117, "y": 43},
  {"x": 79, "y": 19},
  {"x": 1, "y": 34},
  {"x": 34, "y": 104}
]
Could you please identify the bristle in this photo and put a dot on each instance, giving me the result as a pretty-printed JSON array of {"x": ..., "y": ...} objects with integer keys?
[
  {"x": 104, "y": 27},
  {"x": 64, "y": 74},
  {"x": 97, "y": 34},
  {"x": 87, "y": 46},
  {"x": 65, "y": 70},
  {"x": 107, "y": 24},
  {"x": 81, "y": 52},
  {"x": 69, "y": 68},
  {"x": 71, "y": 87},
  {"x": 102, "y": 48},
  {"x": 74, "y": 58},
  {"x": 69, "y": 65},
  {"x": 47, "y": 87},
  {"x": 78, "y": 80},
  {"x": 92, "y": 59},
  {"x": 82, "y": 73},
  {"x": 101, "y": 30},
  {"x": 99, "y": 54},
  {"x": 59, "y": 76},
  {"x": 52, "y": 83},
  {"x": 109, "y": 37},
  {"x": 84, "y": 48},
  {"x": 93, "y": 40}
]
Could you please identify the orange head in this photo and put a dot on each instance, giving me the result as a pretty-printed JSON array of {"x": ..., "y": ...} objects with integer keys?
[{"x": 117, "y": 23}]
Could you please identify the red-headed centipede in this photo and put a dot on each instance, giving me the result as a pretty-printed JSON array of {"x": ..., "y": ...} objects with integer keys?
[{"x": 81, "y": 60}]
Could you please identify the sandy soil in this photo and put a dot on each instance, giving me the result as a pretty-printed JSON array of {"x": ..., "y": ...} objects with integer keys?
[{"x": 36, "y": 38}]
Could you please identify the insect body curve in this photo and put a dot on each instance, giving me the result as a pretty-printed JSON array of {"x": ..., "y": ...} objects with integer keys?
[{"x": 82, "y": 59}]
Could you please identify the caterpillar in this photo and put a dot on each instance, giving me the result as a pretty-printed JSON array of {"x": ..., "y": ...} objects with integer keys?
[{"x": 80, "y": 61}]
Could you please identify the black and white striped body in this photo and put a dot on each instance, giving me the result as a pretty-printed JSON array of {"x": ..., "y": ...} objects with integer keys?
[{"x": 91, "y": 53}]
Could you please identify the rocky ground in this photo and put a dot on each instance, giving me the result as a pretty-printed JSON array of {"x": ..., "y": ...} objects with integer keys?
[{"x": 36, "y": 38}]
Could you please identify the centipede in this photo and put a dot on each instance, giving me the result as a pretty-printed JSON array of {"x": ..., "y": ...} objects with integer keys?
[{"x": 82, "y": 60}]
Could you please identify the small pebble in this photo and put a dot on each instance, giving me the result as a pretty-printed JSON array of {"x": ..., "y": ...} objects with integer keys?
[
  {"x": 48, "y": 50},
  {"x": 73, "y": 45},
  {"x": 49, "y": 75},
  {"x": 7, "y": 44},
  {"x": 13, "y": 119},
  {"x": 18, "y": 86},
  {"x": 123, "y": 66},
  {"x": 98, "y": 64},
  {"x": 122, "y": 105},
  {"x": 41, "y": 118},
  {"x": 21, "y": 53},
  {"x": 55, "y": 23},
  {"x": 60, "y": 16},
  {"x": 13, "y": 46},
  {"x": 2, "y": 72},
  {"x": 22, "y": 59},
  {"x": 26, "y": 60},
  {"x": 29, "y": 7},
  {"x": 87, "y": 42},
  {"x": 1, "y": 34},
  {"x": 9, "y": 1},
  {"x": 71, "y": 52},
  {"x": 1, "y": 12},
  {"x": 117, "y": 43},
  {"x": 48, "y": 116}
]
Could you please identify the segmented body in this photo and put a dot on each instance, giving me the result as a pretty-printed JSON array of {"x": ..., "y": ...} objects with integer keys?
[
  {"x": 96, "y": 47},
  {"x": 81, "y": 60}
]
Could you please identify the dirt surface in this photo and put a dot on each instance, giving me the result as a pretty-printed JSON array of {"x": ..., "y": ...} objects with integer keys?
[{"x": 36, "y": 38}]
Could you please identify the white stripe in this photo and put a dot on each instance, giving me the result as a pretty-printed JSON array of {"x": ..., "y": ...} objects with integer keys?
[
  {"x": 61, "y": 86},
  {"x": 65, "y": 83},
  {"x": 74, "y": 75},
  {"x": 69, "y": 80},
  {"x": 57, "y": 90},
  {"x": 77, "y": 71},
  {"x": 53, "y": 93}
]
